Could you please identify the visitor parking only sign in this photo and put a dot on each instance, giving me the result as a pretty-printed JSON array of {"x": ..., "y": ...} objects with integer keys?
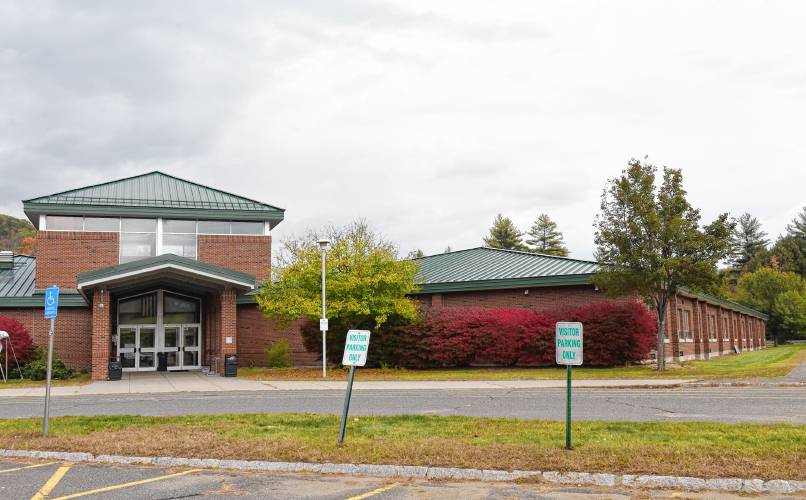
[
  {"x": 568, "y": 341},
  {"x": 355, "y": 348}
]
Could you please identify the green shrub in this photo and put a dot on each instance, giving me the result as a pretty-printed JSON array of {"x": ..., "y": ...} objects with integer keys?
[
  {"x": 277, "y": 355},
  {"x": 37, "y": 367}
]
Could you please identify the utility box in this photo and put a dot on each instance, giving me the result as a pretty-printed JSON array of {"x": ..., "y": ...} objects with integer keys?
[
  {"x": 230, "y": 366},
  {"x": 115, "y": 369}
]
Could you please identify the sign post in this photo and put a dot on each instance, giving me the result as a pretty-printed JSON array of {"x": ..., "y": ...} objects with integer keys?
[
  {"x": 568, "y": 342},
  {"x": 355, "y": 354},
  {"x": 51, "y": 310}
]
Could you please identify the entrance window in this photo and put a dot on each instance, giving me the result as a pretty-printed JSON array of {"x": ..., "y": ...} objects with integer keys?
[
  {"x": 138, "y": 310},
  {"x": 179, "y": 309},
  {"x": 179, "y": 238},
  {"x": 138, "y": 239}
]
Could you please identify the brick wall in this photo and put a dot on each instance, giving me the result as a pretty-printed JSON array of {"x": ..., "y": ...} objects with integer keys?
[
  {"x": 60, "y": 255},
  {"x": 72, "y": 341},
  {"x": 248, "y": 254},
  {"x": 542, "y": 298},
  {"x": 101, "y": 333},
  {"x": 256, "y": 333}
]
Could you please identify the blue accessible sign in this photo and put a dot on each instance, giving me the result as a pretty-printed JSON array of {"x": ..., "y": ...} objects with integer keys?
[{"x": 51, "y": 302}]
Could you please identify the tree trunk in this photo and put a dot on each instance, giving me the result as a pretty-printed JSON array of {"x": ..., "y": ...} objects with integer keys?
[{"x": 661, "y": 322}]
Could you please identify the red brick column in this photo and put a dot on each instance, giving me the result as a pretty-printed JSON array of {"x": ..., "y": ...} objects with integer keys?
[
  {"x": 101, "y": 334},
  {"x": 228, "y": 327},
  {"x": 674, "y": 340},
  {"x": 697, "y": 330}
]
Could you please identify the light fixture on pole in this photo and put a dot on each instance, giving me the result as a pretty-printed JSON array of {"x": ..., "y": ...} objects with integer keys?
[{"x": 323, "y": 244}]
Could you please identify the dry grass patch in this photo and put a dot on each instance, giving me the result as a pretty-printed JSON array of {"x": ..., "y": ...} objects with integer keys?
[{"x": 693, "y": 449}]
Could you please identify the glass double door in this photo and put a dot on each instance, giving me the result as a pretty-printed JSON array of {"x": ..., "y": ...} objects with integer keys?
[
  {"x": 181, "y": 345},
  {"x": 139, "y": 346}
]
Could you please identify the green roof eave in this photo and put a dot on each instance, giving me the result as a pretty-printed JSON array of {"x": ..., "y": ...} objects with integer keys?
[
  {"x": 469, "y": 286},
  {"x": 34, "y": 210},
  {"x": 165, "y": 261},
  {"x": 728, "y": 304},
  {"x": 36, "y": 301}
]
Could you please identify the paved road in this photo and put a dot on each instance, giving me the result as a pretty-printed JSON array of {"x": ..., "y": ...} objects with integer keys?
[
  {"x": 59, "y": 481},
  {"x": 722, "y": 404}
]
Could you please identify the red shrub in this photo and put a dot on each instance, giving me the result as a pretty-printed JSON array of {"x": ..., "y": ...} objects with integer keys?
[
  {"x": 614, "y": 332},
  {"x": 20, "y": 339}
]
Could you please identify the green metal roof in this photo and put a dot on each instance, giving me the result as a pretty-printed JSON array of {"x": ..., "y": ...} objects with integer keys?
[
  {"x": 484, "y": 268},
  {"x": 728, "y": 304},
  {"x": 152, "y": 194},
  {"x": 18, "y": 288},
  {"x": 18, "y": 281},
  {"x": 138, "y": 267}
]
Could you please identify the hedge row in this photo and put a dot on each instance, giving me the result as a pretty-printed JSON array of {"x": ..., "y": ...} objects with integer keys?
[{"x": 614, "y": 333}]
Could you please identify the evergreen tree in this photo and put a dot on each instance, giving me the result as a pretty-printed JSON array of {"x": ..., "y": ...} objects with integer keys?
[
  {"x": 798, "y": 227},
  {"x": 747, "y": 240},
  {"x": 790, "y": 254},
  {"x": 545, "y": 238},
  {"x": 415, "y": 254},
  {"x": 504, "y": 235}
]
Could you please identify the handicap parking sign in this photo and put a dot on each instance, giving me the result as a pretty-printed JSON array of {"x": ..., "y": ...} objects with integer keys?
[{"x": 51, "y": 302}]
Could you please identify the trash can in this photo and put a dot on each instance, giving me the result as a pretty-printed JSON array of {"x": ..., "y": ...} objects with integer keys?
[
  {"x": 115, "y": 369},
  {"x": 230, "y": 366},
  {"x": 162, "y": 361}
]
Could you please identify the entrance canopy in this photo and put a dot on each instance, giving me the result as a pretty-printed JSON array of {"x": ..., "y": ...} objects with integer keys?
[{"x": 165, "y": 270}]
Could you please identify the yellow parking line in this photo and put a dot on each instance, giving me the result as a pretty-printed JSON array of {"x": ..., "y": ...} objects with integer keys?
[
  {"x": 26, "y": 467},
  {"x": 57, "y": 476},
  {"x": 374, "y": 492},
  {"x": 125, "y": 485}
]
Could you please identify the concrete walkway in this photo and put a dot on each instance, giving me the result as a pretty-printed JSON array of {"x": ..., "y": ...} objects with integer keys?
[{"x": 154, "y": 382}]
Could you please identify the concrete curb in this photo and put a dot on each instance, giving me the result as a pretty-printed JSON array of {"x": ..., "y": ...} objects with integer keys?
[{"x": 422, "y": 472}]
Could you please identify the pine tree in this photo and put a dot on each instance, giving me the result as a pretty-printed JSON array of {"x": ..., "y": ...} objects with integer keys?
[
  {"x": 798, "y": 226},
  {"x": 415, "y": 254},
  {"x": 545, "y": 238},
  {"x": 747, "y": 240},
  {"x": 504, "y": 235}
]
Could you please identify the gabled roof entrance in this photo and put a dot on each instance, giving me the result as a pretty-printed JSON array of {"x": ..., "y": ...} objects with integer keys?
[{"x": 151, "y": 195}]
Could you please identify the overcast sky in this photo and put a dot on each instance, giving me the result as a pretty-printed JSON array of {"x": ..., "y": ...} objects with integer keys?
[{"x": 425, "y": 117}]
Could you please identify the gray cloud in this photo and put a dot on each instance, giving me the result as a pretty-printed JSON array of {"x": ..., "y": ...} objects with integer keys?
[{"x": 428, "y": 118}]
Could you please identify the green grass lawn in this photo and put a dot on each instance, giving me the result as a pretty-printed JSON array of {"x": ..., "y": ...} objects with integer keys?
[
  {"x": 766, "y": 363},
  {"x": 693, "y": 449},
  {"x": 15, "y": 383}
]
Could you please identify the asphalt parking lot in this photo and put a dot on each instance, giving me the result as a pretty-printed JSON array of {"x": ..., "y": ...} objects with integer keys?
[{"x": 24, "y": 479}]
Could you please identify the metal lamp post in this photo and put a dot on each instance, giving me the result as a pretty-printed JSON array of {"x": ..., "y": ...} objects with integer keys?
[{"x": 323, "y": 244}]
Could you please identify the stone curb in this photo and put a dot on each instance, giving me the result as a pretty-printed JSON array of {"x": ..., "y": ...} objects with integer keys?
[{"x": 421, "y": 472}]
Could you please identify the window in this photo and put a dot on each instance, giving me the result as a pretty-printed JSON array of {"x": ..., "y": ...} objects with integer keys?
[
  {"x": 138, "y": 239},
  {"x": 213, "y": 227},
  {"x": 712, "y": 335},
  {"x": 179, "y": 309},
  {"x": 179, "y": 238},
  {"x": 230, "y": 227},
  {"x": 683, "y": 326},
  {"x": 240, "y": 227},
  {"x": 111, "y": 224},
  {"x": 64, "y": 223},
  {"x": 138, "y": 310}
]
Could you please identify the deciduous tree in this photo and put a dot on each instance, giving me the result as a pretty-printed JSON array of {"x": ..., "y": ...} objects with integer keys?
[
  {"x": 366, "y": 282},
  {"x": 763, "y": 290},
  {"x": 651, "y": 243}
]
